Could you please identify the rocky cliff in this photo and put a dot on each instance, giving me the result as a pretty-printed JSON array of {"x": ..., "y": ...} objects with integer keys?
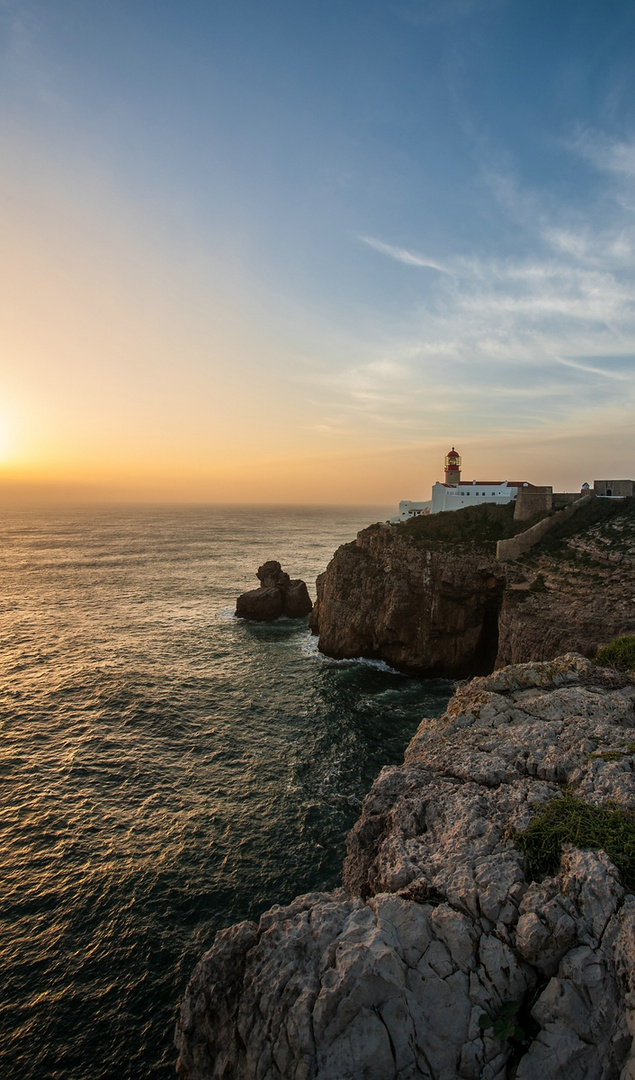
[
  {"x": 445, "y": 932},
  {"x": 430, "y": 597},
  {"x": 424, "y": 610},
  {"x": 574, "y": 591}
]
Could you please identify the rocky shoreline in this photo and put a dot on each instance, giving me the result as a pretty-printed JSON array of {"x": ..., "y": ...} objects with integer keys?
[{"x": 441, "y": 930}]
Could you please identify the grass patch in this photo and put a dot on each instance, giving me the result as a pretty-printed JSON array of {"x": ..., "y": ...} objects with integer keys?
[
  {"x": 619, "y": 653},
  {"x": 613, "y": 755},
  {"x": 484, "y": 524},
  {"x": 505, "y": 1026},
  {"x": 569, "y": 820}
]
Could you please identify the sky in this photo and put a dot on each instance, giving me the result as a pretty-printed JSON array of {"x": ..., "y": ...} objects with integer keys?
[{"x": 294, "y": 251}]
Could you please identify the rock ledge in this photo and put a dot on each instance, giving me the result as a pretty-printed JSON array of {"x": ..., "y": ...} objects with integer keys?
[{"x": 439, "y": 924}]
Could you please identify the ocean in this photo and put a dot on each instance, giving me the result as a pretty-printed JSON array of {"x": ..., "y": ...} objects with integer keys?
[{"x": 165, "y": 768}]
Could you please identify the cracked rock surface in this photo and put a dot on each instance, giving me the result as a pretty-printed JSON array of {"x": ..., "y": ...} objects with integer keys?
[{"x": 439, "y": 924}]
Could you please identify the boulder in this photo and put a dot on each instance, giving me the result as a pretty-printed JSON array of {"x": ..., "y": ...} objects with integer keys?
[
  {"x": 278, "y": 595},
  {"x": 297, "y": 602},
  {"x": 262, "y": 605},
  {"x": 272, "y": 576}
]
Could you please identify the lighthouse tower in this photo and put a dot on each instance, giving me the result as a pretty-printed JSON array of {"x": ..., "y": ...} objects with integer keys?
[{"x": 452, "y": 468}]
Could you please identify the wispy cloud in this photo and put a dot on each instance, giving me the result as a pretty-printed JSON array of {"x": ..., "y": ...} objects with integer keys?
[
  {"x": 402, "y": 255},
  {"x": 606, "y": 374},
  {"x": 546, "y": 336},
  {"x": 607, "y": 155}
]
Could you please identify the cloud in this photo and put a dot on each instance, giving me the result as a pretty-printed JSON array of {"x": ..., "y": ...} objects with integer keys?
[
  {"x": 409, "y": 258},
  {"x": 605, "y": 154},
  {"x": 543, "y": 338},
  {"x": 593, "y": 370}
]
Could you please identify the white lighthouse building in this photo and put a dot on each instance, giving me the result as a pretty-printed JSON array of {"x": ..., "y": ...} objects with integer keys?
[{"x": 455, "y": 493}]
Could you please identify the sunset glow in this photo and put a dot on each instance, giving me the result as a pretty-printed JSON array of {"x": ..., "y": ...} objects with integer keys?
[{"x": 227, "y": 277}]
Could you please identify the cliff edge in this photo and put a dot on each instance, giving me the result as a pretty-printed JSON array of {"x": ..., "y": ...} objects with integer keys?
[
  {"x": 449, "y": 955},
  {"x": 574, "y": 591},
  {"x": 431, "y": 598},
  {"x": 425, "y": 608}
]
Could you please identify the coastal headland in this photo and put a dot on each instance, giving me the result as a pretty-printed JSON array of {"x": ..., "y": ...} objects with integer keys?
[
  {"x": 455, "y": 947},
  {"x": 433, "y": 597}
]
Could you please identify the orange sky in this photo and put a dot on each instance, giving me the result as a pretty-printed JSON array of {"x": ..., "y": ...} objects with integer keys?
[{"x": 163, "y": 339}]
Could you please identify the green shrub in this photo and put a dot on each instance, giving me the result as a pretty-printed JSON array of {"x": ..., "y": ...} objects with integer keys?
[
  {"x": 619, "y": 653},
  {"x": 482, "y": 524},
  {"x": 569, "y": 820},
  {"x": 505, "y": 1026},
  {"x": 595, "y": 512}
]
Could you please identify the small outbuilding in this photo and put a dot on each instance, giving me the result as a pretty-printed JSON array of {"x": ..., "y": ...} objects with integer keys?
[{"x": 616, "y": 489}]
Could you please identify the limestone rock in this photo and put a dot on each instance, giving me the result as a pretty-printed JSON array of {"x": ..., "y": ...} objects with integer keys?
[
  {"x": 426, "y": 612},
  {"x": 587, "y": 595},
  {"x": 440, "y": 924},
  {"x": 272, "y": 576},
  {"x": 278, "y": 595},
  {"x": 297, "y": 602}
]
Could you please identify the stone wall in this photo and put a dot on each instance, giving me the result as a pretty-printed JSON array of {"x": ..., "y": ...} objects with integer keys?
[
  {"x": 565, "y": 498},
  {"x": 531, "y": 503},
  {"x": 507, "y": 550}
]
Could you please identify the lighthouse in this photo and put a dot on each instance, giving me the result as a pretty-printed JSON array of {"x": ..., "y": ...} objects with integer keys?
[
  {"x": 454, "y": 493},
  {"x": 452, "y": 468}
]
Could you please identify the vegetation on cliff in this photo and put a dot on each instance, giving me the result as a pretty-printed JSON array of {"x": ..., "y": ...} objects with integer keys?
[
  {"x": 602, "y": 527},
  {"x": 570, "y": 820},
  {"x": 430, "y": 598},
  {"x": 481, "y": 525},
  {"x": 610, "y": 523},
  {"x": 619, "y": 653},
  {"x": 574, "y": 589}
]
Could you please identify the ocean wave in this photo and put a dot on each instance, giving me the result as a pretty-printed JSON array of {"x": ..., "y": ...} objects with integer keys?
[{"x": 309, "y": 646}]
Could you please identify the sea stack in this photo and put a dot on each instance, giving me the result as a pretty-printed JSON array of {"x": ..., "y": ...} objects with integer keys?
[{"x": 278, "y": 595}]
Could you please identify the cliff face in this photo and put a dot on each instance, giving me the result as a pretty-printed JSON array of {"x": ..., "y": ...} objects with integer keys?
[
  {"x": 580, "y": 617},
  {"x": 443, "y": 931},
  {"x": 424, "y": 611},
  {"x": 430, "y": 601},
  {"x": 587, "y": 590}
]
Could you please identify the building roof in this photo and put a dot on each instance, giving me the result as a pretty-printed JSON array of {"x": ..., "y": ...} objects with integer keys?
[{"x": 480, "y": 483}]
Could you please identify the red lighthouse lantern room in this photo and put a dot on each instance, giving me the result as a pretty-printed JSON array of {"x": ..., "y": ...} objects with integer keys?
[{"x": 452, "y": 468}]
